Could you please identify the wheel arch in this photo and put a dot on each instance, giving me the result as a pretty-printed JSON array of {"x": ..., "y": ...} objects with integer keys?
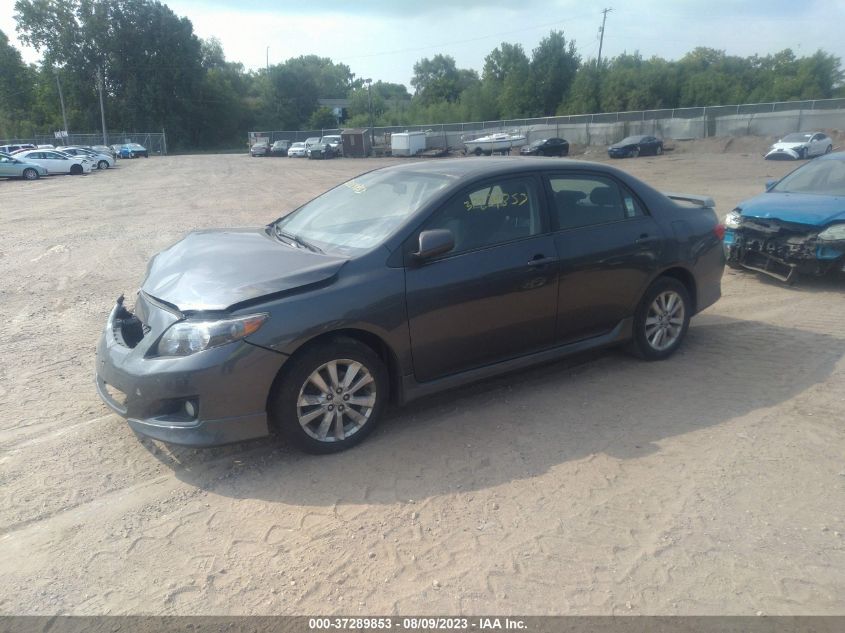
[
  {"x": 373, "y": 341},
  {"x": 686, "y": 278}
]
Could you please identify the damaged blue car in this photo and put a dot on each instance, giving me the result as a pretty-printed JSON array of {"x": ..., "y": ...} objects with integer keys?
[{"x": 796, "y": 227}]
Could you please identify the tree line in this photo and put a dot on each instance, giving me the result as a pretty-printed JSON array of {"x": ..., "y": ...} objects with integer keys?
[{"x": 155, "y": 73}]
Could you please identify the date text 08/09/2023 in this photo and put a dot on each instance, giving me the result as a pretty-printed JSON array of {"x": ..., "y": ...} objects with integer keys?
[{"x": 416, "y": 624}]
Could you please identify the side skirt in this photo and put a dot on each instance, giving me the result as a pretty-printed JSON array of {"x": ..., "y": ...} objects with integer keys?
[{"x": 411, "y": 389}]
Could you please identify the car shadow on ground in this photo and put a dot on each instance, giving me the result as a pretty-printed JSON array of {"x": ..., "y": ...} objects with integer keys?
[{"x": 521, "y": 425}]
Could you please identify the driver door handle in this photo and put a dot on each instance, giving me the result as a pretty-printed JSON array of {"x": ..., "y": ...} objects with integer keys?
[{"x": 540, "y": 260}]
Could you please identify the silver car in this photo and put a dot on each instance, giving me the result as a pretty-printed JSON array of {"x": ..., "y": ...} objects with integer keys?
[{"x": 11, "y": 167}]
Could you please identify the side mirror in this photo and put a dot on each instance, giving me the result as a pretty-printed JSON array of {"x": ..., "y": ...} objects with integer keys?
[
  {"x": 771, "y": 183},
  {"x": 434, "y": 243}
]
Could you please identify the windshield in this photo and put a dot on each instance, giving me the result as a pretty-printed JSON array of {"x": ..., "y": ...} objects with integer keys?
[
  {"x": 297, "y": 146},
  {"x": 538, "y": 143},
  {"x": 630, "y": 140},
  {"x": 359, "y": 214},
  {"x": 330, "y": 139},
  {"x": 312, "y": 140},
  {"x": 796, "y": 138},
  {"x": 823, "y": 177}
]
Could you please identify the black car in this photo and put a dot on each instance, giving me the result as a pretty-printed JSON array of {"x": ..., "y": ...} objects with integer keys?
[
  {"x": 399, "y": 283},
  {"x": 280, "y": 148},
  {"x": 546, "y": 147},
  {"x": 321, "y": 150},
  {"x": 633, "y": 146}
]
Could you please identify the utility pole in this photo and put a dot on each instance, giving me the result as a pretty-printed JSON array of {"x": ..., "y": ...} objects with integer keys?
[
  {"x": 601, "y": 34},
  {"x": 102, "y": 111},
  {"x": 61, "y": 100},
  {"x": 369, "y": 83},
  {"x": 268, "y": 59}
]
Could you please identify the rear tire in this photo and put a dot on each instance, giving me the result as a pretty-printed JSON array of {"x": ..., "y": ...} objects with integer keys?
[
  {"x": 635, "y": 153},
  {"x": 478, "y": 151},
  {"x": 662, "y": 319},
  {"x": 659, "y": 150},
  {"x": 331, "y": 397},
  {"x": 30, "y": 174},
  {"x": 828, "y": 149}
]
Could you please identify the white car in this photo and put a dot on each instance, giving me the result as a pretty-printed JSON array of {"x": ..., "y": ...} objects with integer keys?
[
  {"x": 56, "y": 162},
  {"x": 800, "y": 145},
  {"x": 297, "y": 150},
  {"x": 101, "y": 160}
]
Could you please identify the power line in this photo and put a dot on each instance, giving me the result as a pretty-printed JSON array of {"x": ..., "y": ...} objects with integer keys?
[{"x": 472, "y": 39}]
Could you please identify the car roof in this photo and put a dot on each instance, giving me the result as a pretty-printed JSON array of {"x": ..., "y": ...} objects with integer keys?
[{"x": 494, "y": 166}]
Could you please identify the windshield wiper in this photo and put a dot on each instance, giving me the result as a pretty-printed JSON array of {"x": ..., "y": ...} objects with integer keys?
[{"x": 295, "y": 239}]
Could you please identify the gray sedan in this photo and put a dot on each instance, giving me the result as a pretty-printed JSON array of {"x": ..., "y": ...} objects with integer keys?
[
  {"x": 399, "y": 283},
  {"x": 11, "y": 167}
]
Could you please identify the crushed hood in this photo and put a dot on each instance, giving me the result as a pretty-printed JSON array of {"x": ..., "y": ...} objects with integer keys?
[
  {"x": 796, "y": 208},
  {"x": 213, "y": 270}
]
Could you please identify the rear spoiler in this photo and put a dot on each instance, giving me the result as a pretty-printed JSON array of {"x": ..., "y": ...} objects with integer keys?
[{"x": 701, "y": 201}]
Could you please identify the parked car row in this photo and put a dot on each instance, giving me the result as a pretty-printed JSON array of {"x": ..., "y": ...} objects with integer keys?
[
  {"x": 31, "y": 163},
  {"x": 315, "y": 147}
]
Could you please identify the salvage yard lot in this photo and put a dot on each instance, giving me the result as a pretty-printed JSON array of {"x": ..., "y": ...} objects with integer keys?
[{"x": 711, "y": 483}]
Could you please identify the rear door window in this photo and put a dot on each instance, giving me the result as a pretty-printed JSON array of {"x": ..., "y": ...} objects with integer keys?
[{"x": 587, "y": 200}]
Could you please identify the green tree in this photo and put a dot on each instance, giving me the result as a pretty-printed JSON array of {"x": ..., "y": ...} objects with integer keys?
[
  {"x": 322, "y": 118},
  {"x": 554, "y": 65},
  {"x": 16, "y": 90},
  {"x": 149, "y": 58},
  {"x": 438, "y": 79}
]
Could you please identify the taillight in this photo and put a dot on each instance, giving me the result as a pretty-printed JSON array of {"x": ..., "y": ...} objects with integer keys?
[{"x": 719, "y": 231}]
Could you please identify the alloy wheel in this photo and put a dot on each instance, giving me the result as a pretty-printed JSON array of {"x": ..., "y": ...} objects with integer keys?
[
  {"x": 336, "y": 401},
  {"x": 664, "y": 322}
]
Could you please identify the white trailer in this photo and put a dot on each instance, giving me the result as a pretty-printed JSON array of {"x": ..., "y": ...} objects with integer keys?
[{"x": 407, "y": 143}]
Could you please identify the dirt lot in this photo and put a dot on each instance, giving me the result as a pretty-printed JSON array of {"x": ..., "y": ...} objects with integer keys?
[{"x": 710, "y": 483}]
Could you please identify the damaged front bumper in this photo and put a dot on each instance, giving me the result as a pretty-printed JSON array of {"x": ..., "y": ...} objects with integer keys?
[
  {"x": 212, "y": 397},
  {"x": 784, "y": 153},
  {"x": 782, "y": 250}
]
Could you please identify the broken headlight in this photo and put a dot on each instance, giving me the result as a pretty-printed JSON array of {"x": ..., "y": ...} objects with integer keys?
[
  {"x": 184, "y": 338},
  {"x": 733, "y": 219},
  {"x": 833, "y": 233}
]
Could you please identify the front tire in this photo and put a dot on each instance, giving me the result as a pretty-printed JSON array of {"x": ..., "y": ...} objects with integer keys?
[
  {"x": 332, "y": 396},
  {"x": 659, "y": 150},
  {"x": 103, "y": 164},
  {"x": 635, "y": 153},
  {"x": 662, "y": 319},
  {"x": 828, "y": 149},
  {"x": 75, "y": 170},
  {"x": 30, "y": 174}
]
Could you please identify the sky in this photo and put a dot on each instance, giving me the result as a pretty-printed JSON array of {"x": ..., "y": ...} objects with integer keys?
[{"x": 382, "y": 39}]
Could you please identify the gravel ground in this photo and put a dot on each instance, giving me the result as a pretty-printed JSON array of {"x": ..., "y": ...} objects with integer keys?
[{"x": 711, "y": 483}]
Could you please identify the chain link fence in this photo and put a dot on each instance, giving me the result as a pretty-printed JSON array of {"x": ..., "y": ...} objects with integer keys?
[{"x": 755, "y": 119}]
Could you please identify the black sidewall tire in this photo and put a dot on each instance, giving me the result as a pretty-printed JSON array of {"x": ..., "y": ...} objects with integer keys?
[
  {"x": 30, "y": 174},
  {"x": 659, "y": 150},
  {"x": 478, "y": 151},
  {"x": 639, "y": 345},
  {"x": 635, "y": 153},
  {"x": 75, "y": 170},
  {"x": 103, "y": 164},
  {"x": 282, "y": 406}
]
